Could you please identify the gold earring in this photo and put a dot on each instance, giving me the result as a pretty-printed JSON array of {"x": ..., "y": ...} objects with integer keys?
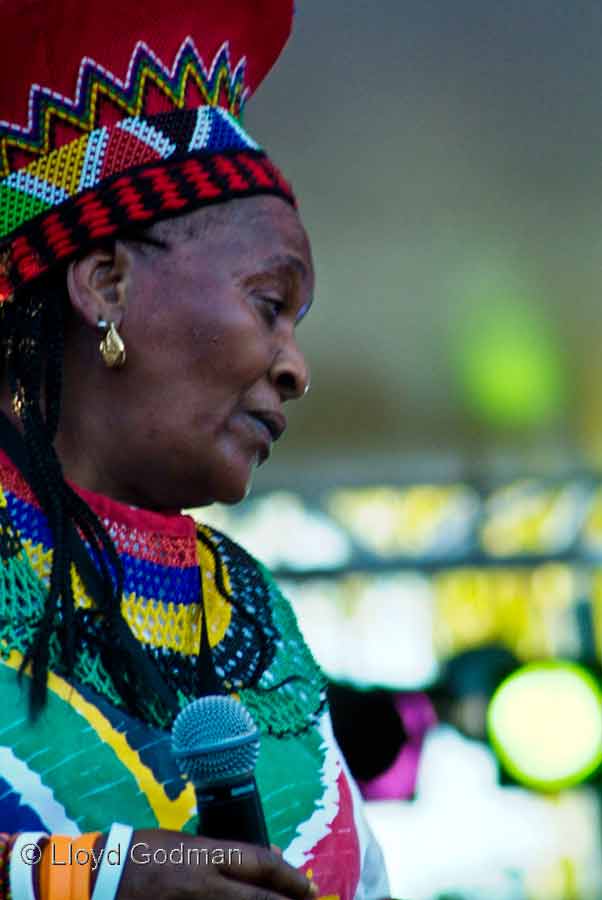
[
  {"x": 112, "y": 348},
  {"x": 18, "y": 401}
]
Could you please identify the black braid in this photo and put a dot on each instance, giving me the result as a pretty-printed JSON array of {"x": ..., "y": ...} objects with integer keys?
[{"x": 32, "y": 336}]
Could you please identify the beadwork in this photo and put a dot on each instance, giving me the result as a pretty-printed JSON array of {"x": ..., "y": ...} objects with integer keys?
[
  {"x": 95, "y": 82},
  {"x": 139, "y": 167},
  {"x": 165, "y": 577}
]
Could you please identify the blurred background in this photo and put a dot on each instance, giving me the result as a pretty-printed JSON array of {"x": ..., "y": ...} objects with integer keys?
[{"x": 435, "y": 510}]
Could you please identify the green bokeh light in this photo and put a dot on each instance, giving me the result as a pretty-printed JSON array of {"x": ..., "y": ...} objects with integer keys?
[
  {"x": 545, "y": 724},
  {"x": 509, "y": 363}
]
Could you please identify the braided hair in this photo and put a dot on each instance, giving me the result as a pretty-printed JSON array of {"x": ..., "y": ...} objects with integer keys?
[{"x": 32, "y": 330}]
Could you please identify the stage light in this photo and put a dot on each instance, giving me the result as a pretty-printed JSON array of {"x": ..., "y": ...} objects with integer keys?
[
  {"x": 415, "y": 520},
  {"x": 545, "y": 724}
]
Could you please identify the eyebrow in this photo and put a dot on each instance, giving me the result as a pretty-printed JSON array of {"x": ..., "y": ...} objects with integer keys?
[{"x": 289, "y": 260}]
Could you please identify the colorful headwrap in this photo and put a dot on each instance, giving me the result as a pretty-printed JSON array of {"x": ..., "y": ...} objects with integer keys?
[{"x": 118, "y": 114}]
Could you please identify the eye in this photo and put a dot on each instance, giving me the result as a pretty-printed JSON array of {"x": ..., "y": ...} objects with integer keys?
[{"x": 272, "y": 307}]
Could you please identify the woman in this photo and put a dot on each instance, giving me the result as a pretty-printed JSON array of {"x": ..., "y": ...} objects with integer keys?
[{"x": 154, "y": 269}]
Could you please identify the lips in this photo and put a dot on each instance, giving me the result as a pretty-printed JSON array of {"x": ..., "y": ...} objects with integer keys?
[{"x": 273, "y": 422}]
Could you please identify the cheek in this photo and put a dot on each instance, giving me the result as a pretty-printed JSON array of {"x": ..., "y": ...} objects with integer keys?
[
  {"x": 191, "y": 394},
  {"x": 225, "y": 359},
  {"x": 198, "y": 357}
]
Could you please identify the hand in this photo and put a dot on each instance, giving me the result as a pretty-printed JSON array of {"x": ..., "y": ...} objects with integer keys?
[{"x": 174, "y": 866}]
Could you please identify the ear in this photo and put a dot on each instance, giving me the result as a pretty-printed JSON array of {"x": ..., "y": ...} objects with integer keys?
[{"x": 98, "y": 284}]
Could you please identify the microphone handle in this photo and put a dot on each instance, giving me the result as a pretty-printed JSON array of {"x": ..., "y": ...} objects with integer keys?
[{"x": 232, "y": 812}]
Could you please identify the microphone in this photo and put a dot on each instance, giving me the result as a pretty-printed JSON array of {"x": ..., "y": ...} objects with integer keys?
[{"x": 216, "y": 744}]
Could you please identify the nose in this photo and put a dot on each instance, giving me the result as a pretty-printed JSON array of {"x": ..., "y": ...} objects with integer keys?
[{"x": 290, "y": 372}]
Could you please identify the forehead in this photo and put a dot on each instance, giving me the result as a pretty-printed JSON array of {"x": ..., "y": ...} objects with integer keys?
[{"x": 240, "y": 233}]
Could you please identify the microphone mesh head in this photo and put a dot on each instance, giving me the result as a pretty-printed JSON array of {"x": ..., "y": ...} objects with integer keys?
[{"x": 215, "y": 740}]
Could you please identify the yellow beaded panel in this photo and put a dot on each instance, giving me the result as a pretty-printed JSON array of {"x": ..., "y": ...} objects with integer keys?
[
  {"x": 40, "y": 559},
  {"x": 169, "y": 625},
  {"x": 156, "y": 623},
  {"x": 218, "y": 608},
  {"x": 63, "y": 167}
]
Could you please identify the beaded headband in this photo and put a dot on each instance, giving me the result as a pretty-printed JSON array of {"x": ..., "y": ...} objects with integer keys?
[{"x": 137, "y": 130}]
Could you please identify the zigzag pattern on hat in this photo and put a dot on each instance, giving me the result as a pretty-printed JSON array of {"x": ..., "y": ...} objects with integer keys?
[
  {"x": 85, "y": 163},
  {"x": 123, "y": 154},
  {"x": 222, "y": 84}
]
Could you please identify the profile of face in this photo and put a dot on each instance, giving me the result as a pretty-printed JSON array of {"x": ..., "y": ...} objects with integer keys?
[{"x": 208, "y": 316}]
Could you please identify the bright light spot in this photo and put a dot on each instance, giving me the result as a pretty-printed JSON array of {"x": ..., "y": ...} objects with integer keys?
[
  {"x": 281, "y": 531},
  {"x": 342, "y": 621},
  {"x": 545, "y": 722}
]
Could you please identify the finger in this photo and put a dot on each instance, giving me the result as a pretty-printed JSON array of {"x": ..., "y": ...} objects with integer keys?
[
  {"x": 262, "y": 867},
  {"x": 228, "y": 889},
  {"x": 276, "y": 849}
]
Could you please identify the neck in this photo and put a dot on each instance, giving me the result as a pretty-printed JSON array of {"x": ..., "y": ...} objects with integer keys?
[{"x": 79, "y": 469}]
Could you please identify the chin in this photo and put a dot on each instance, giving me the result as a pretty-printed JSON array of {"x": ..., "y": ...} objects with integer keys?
[
  {"x": 231, "y": 498},
  {"x": 234, "y": 488}
]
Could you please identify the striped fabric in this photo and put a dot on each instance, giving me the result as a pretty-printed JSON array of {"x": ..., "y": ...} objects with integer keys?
[{"x": 87, "y": 762}]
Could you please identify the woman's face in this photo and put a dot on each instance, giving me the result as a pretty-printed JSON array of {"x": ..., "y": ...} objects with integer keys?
[{"x": 209, "y": 326}]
